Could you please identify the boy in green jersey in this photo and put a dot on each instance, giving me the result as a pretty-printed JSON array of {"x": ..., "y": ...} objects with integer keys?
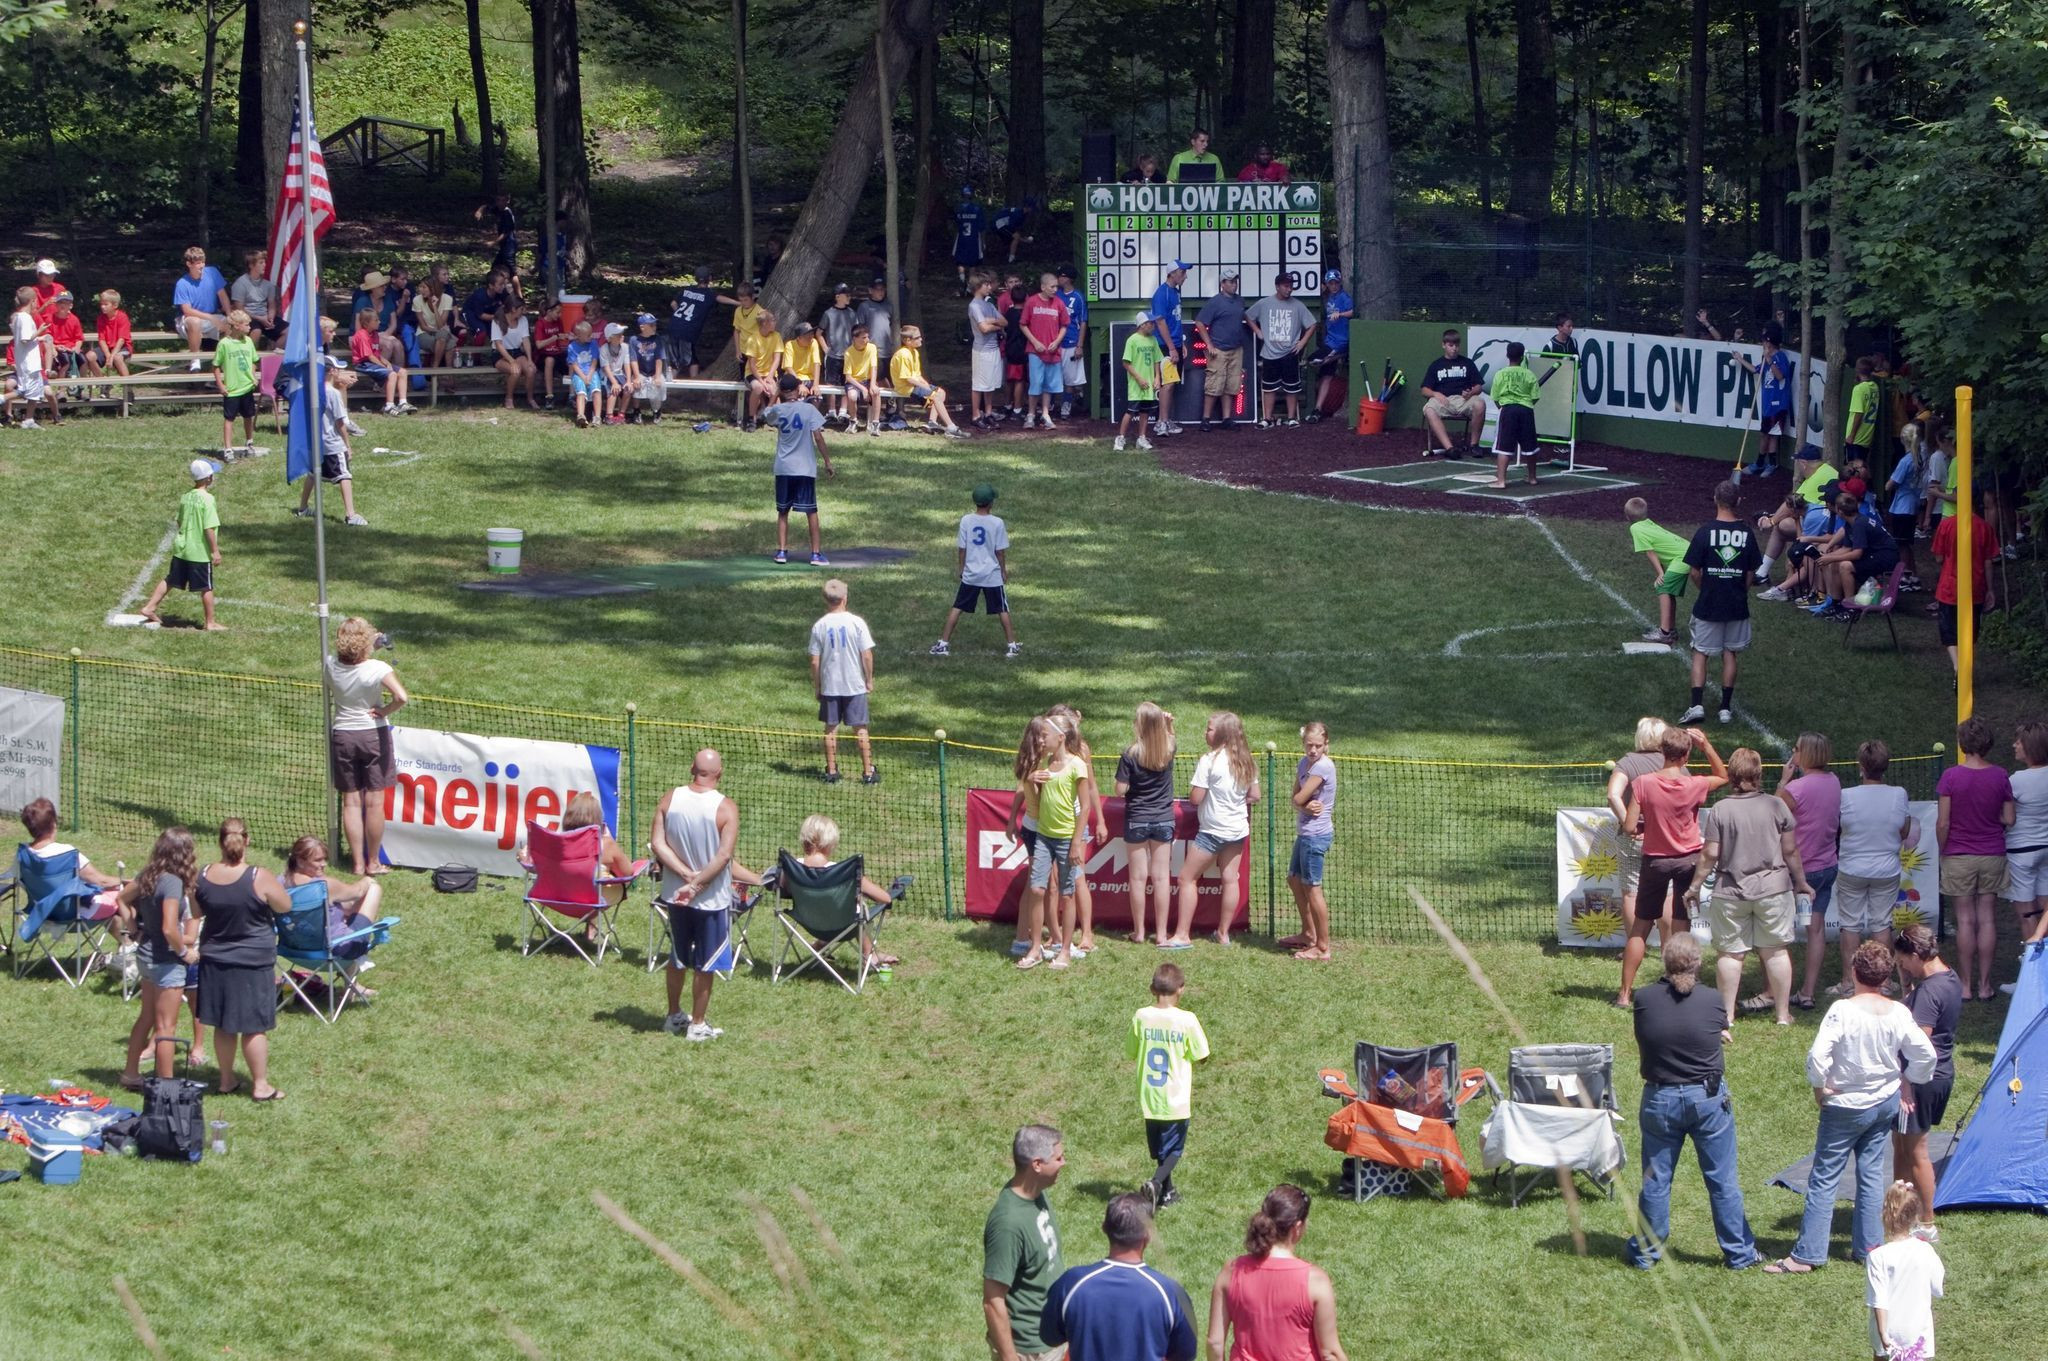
[
  {"x": 1167, "y": 1043},
  {"x": 1514, "y": 395},
  {"x": 195, "y": 552},
  {"x": 1141, "y": 383},
  {"x": 1666, "y": 552},
  {"x": 234, "y": 372}
]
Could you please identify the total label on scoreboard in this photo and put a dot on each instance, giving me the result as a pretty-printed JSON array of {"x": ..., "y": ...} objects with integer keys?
[{"x": 1134, "y": 233}]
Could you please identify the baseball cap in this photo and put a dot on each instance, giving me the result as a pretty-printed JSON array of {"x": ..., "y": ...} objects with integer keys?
[
  {"x": 879, "y": 280},
  {"x": 1141, "y": 318},
  {"x": 63, "y": 295},
  {"x": 1231, "y": 272},
  {"x": 1180, "y": 266},
  {"x": 803, "y": 328},
  {"x": 984, "y": 494},
  {"x": 644, "y": 319},
  {"x": 1854, "y": 486},
  {"x": 46, "y": 266},
  {"x": 202, "y": 469},
  {"x": 1064, "y": 272},
  {"x": 842, "y": 288},
  {"x": 612, "y": 328},
  {"x": 1331, "y": 276}
]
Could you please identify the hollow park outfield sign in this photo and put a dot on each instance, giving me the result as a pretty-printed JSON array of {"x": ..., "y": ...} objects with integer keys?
[{"x": 1303, "y": 197}]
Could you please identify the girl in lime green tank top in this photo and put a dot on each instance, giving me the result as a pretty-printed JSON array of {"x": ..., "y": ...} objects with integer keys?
[{"x": 1056, "y": 774}]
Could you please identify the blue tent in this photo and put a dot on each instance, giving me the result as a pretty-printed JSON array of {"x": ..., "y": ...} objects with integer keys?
[{"x": 2001, "y": 1158}]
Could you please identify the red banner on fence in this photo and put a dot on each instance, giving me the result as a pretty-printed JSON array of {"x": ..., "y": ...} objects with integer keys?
[{"x": 998, "y": 869}]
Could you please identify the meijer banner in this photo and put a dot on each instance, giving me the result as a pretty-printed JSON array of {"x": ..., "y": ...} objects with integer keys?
[
  {"x": 465, "y": 800},
  {"x": 998, "y": 869},
  {"x": 31, "y": 746}
]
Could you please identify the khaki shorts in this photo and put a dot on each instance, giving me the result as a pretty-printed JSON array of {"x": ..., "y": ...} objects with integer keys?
[
  {"x": 1740, "y": 925},
  {"x": 1630, "y": 859},
  {"x": 1970, "y": 876},
  {"x": 1225, "y": 373},
  {"x": 1865, "y": 905},
  {"x": 1457, "y": 408}
]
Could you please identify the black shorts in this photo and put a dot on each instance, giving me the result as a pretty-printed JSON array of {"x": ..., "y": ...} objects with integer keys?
[
  {"x": 361, "y": 759},
  {"x": 1282, "y": 375},
  {"x": 993, "y": 597},
  {"x": 1930, "y": 1103},
  {"x": 1148, "y": 407},
  {"x": 1516, "y": 433},
  {"x": 835, "y": 369},
  {"x": 1665, "y": 878},
  {"x": 1777, "y": 422},
  {"x": 1879, "y": 566},
  {"x": 796, "y": 494},
  {"x": 1945, "y": 621},
  {"x": 682, "y": 354},
  {"x": 186, "y": 575},
  {"x": 334, "y": 469},
  {"x": 243, "y": 405},
  {"x": 1903, "y": 527}
]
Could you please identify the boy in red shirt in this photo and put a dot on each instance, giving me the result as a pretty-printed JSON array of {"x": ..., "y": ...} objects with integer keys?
[
  {"x": 1664, "y": 811},
  {"x": 67, "y": 337},
  {"x": 1045, "y": 325},
  {"x": 115, "y": 335},
  {"x": 550, "y": 343},
  {"x": 1983, "y": 548}
]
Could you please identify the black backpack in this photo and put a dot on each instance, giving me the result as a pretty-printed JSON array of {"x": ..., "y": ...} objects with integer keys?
[{"x": 172, "y": 1124}]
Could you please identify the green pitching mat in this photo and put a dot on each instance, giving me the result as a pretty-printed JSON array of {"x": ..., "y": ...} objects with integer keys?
[
  {"x": 669, "y": 576},
  {"x": 1472, "y": 477}
]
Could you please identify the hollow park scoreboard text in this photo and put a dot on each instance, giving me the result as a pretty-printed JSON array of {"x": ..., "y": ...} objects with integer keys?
[{"x": 1134, "y": 232}]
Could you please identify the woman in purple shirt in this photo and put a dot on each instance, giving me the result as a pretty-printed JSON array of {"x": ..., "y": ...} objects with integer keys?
[
  {"x": 1976, "y": 808},
  {"x": 1814, "y": 794}
]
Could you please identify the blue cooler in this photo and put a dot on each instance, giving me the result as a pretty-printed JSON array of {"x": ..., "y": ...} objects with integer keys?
[{"x": 55, "y": 1157}]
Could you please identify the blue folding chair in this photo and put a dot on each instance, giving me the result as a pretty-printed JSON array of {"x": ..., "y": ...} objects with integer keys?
[
  {"x": 307, "y": 941},
  {"x": 59, "y": 919}
]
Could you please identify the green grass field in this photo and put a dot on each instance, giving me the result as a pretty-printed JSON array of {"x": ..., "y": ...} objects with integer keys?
[{"x": 426, "y": 1188}]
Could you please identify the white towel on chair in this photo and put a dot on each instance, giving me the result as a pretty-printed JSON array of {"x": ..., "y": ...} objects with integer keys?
[{"x": 1552, "y": 1136}]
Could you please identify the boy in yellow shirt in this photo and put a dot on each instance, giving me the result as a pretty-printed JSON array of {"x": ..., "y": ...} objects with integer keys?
[
  {"x": 859, "y": 364},
  {"x": 1167, "y": 1043},
  {"x": 803, "y": 354},
  {"x": 763, "y": 357},
  {"x": 906, "y": 374}
]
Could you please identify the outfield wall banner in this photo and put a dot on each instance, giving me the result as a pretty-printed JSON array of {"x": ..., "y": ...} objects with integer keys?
[
  {"x": 1589, "y": 850},
  {"x": 461, "y": 799},
  {"x": 998, "y": 869},
  {"x": 31, "y": 748},
  {"x": 1654, "y": 378}
]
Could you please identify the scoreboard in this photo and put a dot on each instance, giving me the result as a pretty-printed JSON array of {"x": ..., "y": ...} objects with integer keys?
[{"x": 1134, "y": 233}]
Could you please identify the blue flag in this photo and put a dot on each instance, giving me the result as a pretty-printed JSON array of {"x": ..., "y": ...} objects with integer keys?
[{"x": 302, "y": 383}]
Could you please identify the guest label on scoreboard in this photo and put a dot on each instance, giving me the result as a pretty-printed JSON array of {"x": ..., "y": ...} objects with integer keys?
[{"x": 1134, "y": 233}]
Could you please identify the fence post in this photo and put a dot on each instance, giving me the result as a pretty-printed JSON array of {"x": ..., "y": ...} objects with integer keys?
[
  {"x": 1271, "y": 827},
  {"x": 945, "y": 828},
  {"x": 71, "y": 802},
  {"x": 632, "y": 776}
]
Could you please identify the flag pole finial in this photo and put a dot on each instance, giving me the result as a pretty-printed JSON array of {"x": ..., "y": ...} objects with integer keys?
[{"x": 299, "y": 28}]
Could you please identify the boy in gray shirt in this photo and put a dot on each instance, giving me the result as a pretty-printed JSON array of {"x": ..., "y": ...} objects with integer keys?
[{"x": 1284, "y": 328}]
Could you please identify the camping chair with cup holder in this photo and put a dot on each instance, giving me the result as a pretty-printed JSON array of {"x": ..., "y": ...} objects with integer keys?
[
  {"x": 1886, "y": 602},
  {"x": 737, "y": 954},
  {"x": 58, "y": 918},
  {"x": 321, "y": 954},
  {"x": 1399, "y": 1127},
  {"x": 1559, "y": 1115},
  {"x": 822, "y": 912},
  {"x": 565, "y": 878}
]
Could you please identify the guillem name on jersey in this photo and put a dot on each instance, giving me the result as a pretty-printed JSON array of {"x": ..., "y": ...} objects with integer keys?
[{"x": 1202, "y": 198}]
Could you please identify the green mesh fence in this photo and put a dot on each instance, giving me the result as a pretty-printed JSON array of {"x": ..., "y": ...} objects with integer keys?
[{"x": 147, "y": 746}]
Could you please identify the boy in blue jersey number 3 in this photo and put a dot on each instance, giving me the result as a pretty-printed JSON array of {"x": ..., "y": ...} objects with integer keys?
[{"x": 1167, "y": 1043}]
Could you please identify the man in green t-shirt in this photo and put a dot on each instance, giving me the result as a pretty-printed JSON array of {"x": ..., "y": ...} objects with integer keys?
[
  {"x": 1860, "y": 437},
  {"x": 1020, "y": 1247},
  {"x": 234, "y": 372},
  {"x": 195, "y": 551},
  {"x": 1514, "y": 396},
  {"x": 1197, "y": 154},
  {"x": 1141, "y": 380},
  {"x": 1666, "y": 552}
]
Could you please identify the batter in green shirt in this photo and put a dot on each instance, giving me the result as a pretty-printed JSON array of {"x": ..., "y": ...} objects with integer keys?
[
  {"x": 1020, "y": 1249},
  {"x": 1515, "y": 385},
  {"x": 196, "y": 514}
]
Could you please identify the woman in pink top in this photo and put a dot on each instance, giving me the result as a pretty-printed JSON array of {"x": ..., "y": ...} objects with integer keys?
[
  {"x": 1269, "y": 1304},
  {"x": 1814, "y": 794},
  {"x": 1976, "y": 805}
]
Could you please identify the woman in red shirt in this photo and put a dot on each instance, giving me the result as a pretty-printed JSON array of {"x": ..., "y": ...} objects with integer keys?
[
  {"x": 1664, "y": 810},
  {"x": 1271, "y": 1305}
]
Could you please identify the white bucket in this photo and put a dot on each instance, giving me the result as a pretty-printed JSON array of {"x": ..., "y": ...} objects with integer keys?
[{"x": 502, "y": 548}]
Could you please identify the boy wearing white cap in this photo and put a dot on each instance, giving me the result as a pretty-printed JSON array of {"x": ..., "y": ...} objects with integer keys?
[
  {"x": 195, "y": 552},
  {"x": 1141, "y": 381},
  {"x": 613, "y": 364},
  {"x": 1172, "y": 345}
]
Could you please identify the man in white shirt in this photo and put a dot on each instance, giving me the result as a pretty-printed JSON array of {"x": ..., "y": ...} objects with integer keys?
[
  {"x": 842, "y": 674},
  {"x": 984, "y": 571},
  {"x": 696, "y": 829}
]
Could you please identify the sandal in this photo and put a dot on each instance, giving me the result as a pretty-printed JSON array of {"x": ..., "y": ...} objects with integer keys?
[
  {"x": 1761, "y": 1002},
  {"x": 276, "y": 1094},
  {"x": 1293, "y": 942},
  {"x": 1788, "y": 1266},
  {"x": 1801, "y": 1001},
  {"x": 1030, "y": 961},
  {"x": 131, "y": 1084}
]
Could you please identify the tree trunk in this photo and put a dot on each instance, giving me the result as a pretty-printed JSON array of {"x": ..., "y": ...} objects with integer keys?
[
  {"x": 280, "y": 57},
  {"x": 1356, "y": 57},
  {"x": 1770, "y": 184},
  {"x": 742, "y": 170},
  {"x": 249, "y": 101},
  {"x": 1248, "y": 107},
  {"x": 926, "y": 105},
  {"x": 1837, "y": 328},
  {"x": 480, "y": 79},
  {"x": 556, "y": 21},
  {"x": 1805, "y": 167},
  {"x": 1532, "y": 140},
  {"x": 1482, "y": 141},
  {"x": 885, "y": 116},
  {"x": 202, "y": 168},
  {"x": 1027, "y": 101},
  {"x": 1695, "y": 168},
  {"x": 848, "y": 160}
]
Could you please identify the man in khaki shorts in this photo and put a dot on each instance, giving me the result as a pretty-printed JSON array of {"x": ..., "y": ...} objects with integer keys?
[
  {"x": 1452, "y": 389},
  {"x": 1749, "y": 848},
  {"x": 1221, "y": 324}
]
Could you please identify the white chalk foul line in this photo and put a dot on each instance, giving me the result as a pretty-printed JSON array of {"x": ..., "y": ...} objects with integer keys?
[{"x": 145, "y": 576}]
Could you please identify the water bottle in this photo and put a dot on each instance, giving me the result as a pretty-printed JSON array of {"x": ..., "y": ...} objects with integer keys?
[{"x": 883, "y": 975}]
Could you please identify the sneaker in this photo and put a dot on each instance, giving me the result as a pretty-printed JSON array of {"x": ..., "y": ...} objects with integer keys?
[
  {"x": 1014, "y": 650},
  {"x": 1118, "y": 444},
  {"x": 1172, "y": 1197},
  {"x": 1775, "y": 593},
  {"x": 192, "y": 367},
  {"x": 1030, "y": 421},
  {"x": 1691, "y": 715},
  {"x": 1266, "y": 425},
  {"x": 29, "y": 423},
  {"x": 1150, "y": 1190},
  {"x": 1066, "y": 411},
  {"x": 1311, "y": 418},
  {"x": 747, "y": 427},
  {"x": 942, "y": 649},
  {"x": 1291, "y": 423},
  {"x": 955, "y": 432},
  {"x": 1658, "y": 636},
  {"x": 875, "y": 429},
  {"x": 406, "y": 408},
  {"x": 1763, "y": 577},
  {"x": 872, "y": 777},
  {"x": 1826, "y": 606},
  {"x": 1927, "y": 1233},
  {"x": 1144, "y": 443},
  {"x": 390, "y": 409},
  {"x": 358, "y": 521},
  {"x": 303, "y": 512},
  {"x": 832, "y": 777},
  {"x": 700, "y": 1032},
  {"x": 2005, "y": 988},
  {"x": 615, "y": 419},
  {"x": 1206, "y": 426},
  {"x": 352, "y": 427},
  {"x": 782, "y": 555},
  {"x": 1046, "y": 422},
  {"x": 677, "y": 1022},
  {"x": 1726, "y": 715},
  {"x": 582, "y": 423},
  {"x": 820, "y": 560}
]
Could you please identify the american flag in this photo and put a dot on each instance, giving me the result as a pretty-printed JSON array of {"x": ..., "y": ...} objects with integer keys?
[{"x": 303, "y": 195}]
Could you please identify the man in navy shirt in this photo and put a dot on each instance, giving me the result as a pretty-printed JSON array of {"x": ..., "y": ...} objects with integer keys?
[
  {"x": 1119, "y": 1309},
  {"x": 687, "y": 313}
]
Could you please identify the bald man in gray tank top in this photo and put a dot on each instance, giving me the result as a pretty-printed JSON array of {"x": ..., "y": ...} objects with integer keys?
[{"x": 695, "y": 830}]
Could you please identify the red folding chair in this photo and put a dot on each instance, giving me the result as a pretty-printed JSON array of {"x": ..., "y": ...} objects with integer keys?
[{"x": 565, "y": 879}]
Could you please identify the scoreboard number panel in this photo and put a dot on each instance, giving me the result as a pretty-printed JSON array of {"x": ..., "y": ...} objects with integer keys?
[{"x": 1134, "y": 232}]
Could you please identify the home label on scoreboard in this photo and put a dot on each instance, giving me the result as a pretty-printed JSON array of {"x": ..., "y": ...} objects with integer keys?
[{"x": 1134, "y": 233}]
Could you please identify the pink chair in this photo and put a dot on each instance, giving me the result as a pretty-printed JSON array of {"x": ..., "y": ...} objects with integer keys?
[
  {"x": 565, "y": 879},
  {"x": 1886, "y": 603},
  {"x": 266, "y": 383}
]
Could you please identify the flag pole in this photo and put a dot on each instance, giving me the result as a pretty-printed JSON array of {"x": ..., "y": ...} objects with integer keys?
[{"x": 316, "y": 390}]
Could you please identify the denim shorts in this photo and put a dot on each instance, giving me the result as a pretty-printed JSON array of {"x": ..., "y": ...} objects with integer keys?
[
  {"x": 1216, "y": 845},
  {"x": 171, "y": 975},
  {"x": 1048, "y": 852},
  {"x": 1306, "y": 864},
  {"x": 1138, "y": 833}
]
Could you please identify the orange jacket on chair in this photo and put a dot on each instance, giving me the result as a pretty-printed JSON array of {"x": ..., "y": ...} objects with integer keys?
[{"x": 1363, "y": 1130}]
